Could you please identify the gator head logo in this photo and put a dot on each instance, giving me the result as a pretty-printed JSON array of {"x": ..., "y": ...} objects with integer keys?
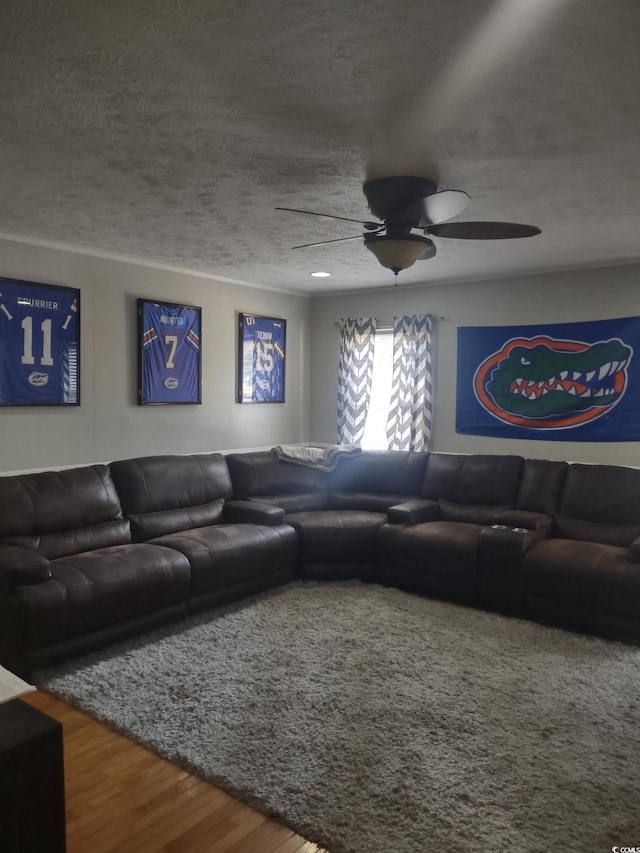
[
  {"x": 38, "y": 379},
  {"x": 552, "y": 384}
]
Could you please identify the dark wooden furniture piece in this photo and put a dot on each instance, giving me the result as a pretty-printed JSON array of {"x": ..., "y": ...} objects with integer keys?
[{"x": 32, "y": 818}]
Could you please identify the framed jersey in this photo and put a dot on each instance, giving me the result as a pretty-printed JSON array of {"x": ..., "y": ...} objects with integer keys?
[
  {"x": 261, "y": 359},
  {"x": 39, "y": 344},
  {"x": 169, "y": 353}
]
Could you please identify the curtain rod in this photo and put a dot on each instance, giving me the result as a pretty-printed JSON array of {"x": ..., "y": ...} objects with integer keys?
[{"x": 390, "y": 322}]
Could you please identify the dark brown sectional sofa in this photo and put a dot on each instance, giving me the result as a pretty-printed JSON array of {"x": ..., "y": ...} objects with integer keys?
[
  {"x": 92, "y": 554},
  {"x": 337, "y": 514}
]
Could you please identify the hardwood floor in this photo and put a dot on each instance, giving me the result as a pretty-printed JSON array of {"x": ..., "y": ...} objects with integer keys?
[{"x": 123, "y": 798}]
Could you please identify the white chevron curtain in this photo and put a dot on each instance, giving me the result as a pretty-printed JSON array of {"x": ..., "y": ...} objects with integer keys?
[
  {"x": 357, "y": 342},
  {"x": 409, "y": 421}
]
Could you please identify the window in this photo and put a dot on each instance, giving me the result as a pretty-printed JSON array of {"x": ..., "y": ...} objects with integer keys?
[
  {"x": 385, "y": 394},
  {"x": 375, "y": 437}
]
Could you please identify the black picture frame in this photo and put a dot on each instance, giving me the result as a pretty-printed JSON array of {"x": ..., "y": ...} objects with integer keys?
[
  {"x": 169, "y": 353},
  {"x": 39, "y": 344},
  {"x": 262, "y": 353}
]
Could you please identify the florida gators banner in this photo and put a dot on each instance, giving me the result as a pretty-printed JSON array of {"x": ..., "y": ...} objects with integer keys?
[{"x": 557, "y": 382}]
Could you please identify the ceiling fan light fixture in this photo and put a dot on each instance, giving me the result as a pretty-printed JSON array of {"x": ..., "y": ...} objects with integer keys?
[{"x": 398, "y": 254}]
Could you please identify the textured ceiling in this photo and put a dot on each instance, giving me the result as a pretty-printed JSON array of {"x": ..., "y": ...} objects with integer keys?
[{"x": 168, "y": 130}]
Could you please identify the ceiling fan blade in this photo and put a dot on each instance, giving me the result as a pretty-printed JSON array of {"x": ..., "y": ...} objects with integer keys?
[
  {"x": 436, "y": 208},
  {"x": 388, "y": 197},
  {"x": 368, "y": 225},
  {"x": 324, "y": 242},
  {"x": 483, "y": 230},
  {"x": 429, "y": 252}
]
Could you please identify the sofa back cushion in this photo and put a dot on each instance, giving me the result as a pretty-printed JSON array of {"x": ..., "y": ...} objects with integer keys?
[
  {"x": 149, "y": 525},
  {"x": 166, "y": 494},
  {"x": 295, "y": 502},
  {"x": 541, "y": 485},
  {"x": 472, "y": 488},
  {"x": 600, "y": 503},
  {"x": 261, "y": 475},
  {"x": 59, "y": 513},
  {"x": 470, "y": 513},
  {"x": 483, "y": 479},
  {"x": 377, "y": 479},
  {"x": 367, "y": 501}
]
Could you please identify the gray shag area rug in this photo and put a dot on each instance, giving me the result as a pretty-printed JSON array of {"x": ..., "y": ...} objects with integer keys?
[{"x": 372, "y": 720}]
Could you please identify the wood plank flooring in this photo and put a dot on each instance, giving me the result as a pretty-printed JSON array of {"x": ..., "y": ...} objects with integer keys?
[{"x": 123, "y": 798}]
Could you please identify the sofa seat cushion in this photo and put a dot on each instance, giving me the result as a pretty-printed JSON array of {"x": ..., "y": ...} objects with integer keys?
[
  {"x": 569, "y": 572},
  {"x": 92, "y": 591},
  {"x": 435, "y": 557},
  {"x": 436, "y": 549},
  {"x": 334, "y": 537},
  {"x": 228, "y": 554}
]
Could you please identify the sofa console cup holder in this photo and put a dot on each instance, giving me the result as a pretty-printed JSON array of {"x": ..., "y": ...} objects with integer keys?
[{"x": 506, "y": 527}]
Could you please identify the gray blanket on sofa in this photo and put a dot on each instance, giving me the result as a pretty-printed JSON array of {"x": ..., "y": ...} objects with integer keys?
[{"x": 322, "y": 456}]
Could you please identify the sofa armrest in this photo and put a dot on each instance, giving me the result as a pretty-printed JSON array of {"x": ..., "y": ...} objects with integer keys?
[
  {"x": 512, "y": 540},
  {"x": 20, "y": 567},
  {"x": 525, "y": 520},
  {"x": 634, "y": 551},
  {"x": 414, "y": 512},
  {"x": 253, "y": 512}
]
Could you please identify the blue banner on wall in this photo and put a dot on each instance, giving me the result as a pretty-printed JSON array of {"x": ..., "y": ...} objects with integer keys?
[{"x": 557, "y": 382}]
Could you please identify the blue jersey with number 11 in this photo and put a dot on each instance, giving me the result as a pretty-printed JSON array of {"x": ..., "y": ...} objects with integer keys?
[{"x": 38, "y": 344}]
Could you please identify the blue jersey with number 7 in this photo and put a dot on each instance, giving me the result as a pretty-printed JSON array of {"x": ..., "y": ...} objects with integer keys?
[{"x": 171, "y": 354}]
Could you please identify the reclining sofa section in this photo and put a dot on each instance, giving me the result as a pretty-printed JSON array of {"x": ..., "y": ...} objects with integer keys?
[
  {"x": 93, "y": 554},
  {"x": 70, "y": 579},
  {"x": 234, "y": 548},
  {"x": 76, "y": 573},
  {"x": 337, "y": 514},
  {"x": 546, "y": 540},
  {"x": 466, "y": 536}
]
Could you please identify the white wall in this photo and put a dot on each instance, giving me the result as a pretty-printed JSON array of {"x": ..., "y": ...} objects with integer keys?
[
  {"x": 562, "y": 297},
  {"x": 109, "y": 424}
]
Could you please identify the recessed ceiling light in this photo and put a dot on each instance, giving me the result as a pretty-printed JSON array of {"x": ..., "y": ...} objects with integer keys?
[{"x": 320, "y": 274}]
